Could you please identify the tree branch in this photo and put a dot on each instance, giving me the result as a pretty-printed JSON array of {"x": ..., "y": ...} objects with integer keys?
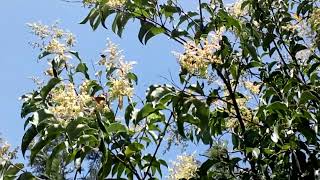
[{"x": 160, "y": 139}]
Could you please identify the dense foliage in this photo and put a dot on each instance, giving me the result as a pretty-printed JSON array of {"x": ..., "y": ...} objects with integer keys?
[{"x": 248, "y": 92}]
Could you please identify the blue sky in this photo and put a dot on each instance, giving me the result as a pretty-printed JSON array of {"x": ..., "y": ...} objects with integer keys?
[{"x": 18, "y": 59}]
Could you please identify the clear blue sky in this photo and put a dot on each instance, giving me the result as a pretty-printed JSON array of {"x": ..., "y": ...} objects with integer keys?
[{"x": 18, "y": 60}]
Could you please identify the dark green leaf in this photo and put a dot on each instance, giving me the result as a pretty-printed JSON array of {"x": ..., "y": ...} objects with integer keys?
[{"x": 46, "y": 89}]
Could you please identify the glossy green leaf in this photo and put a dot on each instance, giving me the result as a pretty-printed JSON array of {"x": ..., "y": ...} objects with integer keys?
[{"x": 46, "y": 89}]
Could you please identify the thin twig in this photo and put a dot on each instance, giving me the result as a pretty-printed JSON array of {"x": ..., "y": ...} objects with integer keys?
[{"x": 160, "y": 139}]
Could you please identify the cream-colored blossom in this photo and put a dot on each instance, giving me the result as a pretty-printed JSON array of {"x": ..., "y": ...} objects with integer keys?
[
  {"x": 136, "y": 128},
  {"x": 67, "y": 104},
  {"x": 299, "y": 26},
  {"x": 57, "y": 32},
  {"x": 99, "y": 102},
  {"x": 236, "y": 10},
  {"x": 116, "y": 3},
  {"x": 55, "y": 47},
  {"x": 113, "y": 59},
  {"x": 70, "y": 39},
  {"x": 53, "y": 40},
  {"x": 125, "y": 68},
  {"x": 39, "y": 30},
  {"x": 120, "y": 87},
  {"x": 4, "y": 149},
  {"x": 5, "y": 153},
  {"x": 247, "y": 114},
  {"x": 197, "y": 58},
  {"x": 84, "y": 87},
  {"x": 314, "y": 19},
  {"x": 303, "y": 55},
  {"x": 112, "y": 56},
  {"x": 185, "y": 167},
  {"x": 254, "y": 88},
  {"x": 90, "y": 2}
]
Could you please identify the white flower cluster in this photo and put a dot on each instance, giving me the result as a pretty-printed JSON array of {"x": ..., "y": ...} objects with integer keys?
[
  {"x": 53, "y": 40},
  {"x": 90, "y": 2},
  {"x": 5, "y": 153},
  {"x": 185, "y": 167},
  {"x": 250, "y": 92},
  {"x": 197, "y": 57},
  {"x": 247, "y": 114},
  {"x": 67, "y": 104},
  {"x": 236, "y": 9},
  {"x": 253, "y": 88},
  {"x": 120, "y": 84},
  {"x": 299, "y": 26},
  {"x": 114, "y": 4},
  {"x": 315, "y": 20}
]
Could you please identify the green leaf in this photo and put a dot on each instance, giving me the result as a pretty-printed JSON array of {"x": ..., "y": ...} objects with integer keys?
[
  {"x": 153, "y": 32},
  {"x": 133, "y": 77},
  {"x": 46, "y": 89},
  {"x": 267, "y": 41},
  {"x": 163, "y": 162},
  {"x": 277, "y": 106},
  {"x": 88, "y": 140},
  {"x": 297, "y": 48},
  {"x": 252, "y": 51},
  {"x": 26, "y": 176},
  {"x": 76, "y": 54},
  {"x": 43, "y": 54},
  {"x": 56, "y": 150},
  {"x": 180, "y": 125},
  {"x": 128, "y": 112},
  {"x": 96, "y": 23},
  {"x": 13, "y": 171},
  {"x": 145, "y": 27},
  {"x": 40, "y": 116},
  {"x": 92, "y": 19},
  {"x": 133, "y": 148},
  {"x": 41, "y": 144},
  {"x": 82, "y": 67},
  {"x": 202, "y": 112},
  {"x": 106, "y": 168},
  {"x": 197, "y": 88},
  {"x": 116, "y": 128},
  {"x": 256, "y": 152},
  {"x": 86, "y": 19},
  {"x": 148, "y": 30},
  {"x": 186, "y": 17},
  {"x": 76, "y": 128},
  {"x": 100, "y": 122},
  {"x": 313, "y": 68},
  {"x": 145, "y": 111},
  {"x": 307, "y": 96},
  {"x": 27, "y": 138},
  {"x": 204, "y": 168},
  {"x": 104, "y": 14},
  {"x": 275, "y": 135},
  {"x": 168, "y": 10}
]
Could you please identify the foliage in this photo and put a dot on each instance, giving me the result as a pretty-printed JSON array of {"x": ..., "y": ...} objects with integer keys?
[
  {"x": 8, "y": 169},
  {"x": 249, "y": 71}
]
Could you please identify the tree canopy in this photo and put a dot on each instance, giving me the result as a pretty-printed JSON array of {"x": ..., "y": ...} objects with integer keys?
[{"x": 248, "y": 92}]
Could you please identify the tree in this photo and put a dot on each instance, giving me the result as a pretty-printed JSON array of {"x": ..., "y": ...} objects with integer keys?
[{"x": 249, "y": 71}]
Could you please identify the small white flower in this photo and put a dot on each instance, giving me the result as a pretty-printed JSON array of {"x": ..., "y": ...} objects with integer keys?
[{"x": 185, "y": 167}]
